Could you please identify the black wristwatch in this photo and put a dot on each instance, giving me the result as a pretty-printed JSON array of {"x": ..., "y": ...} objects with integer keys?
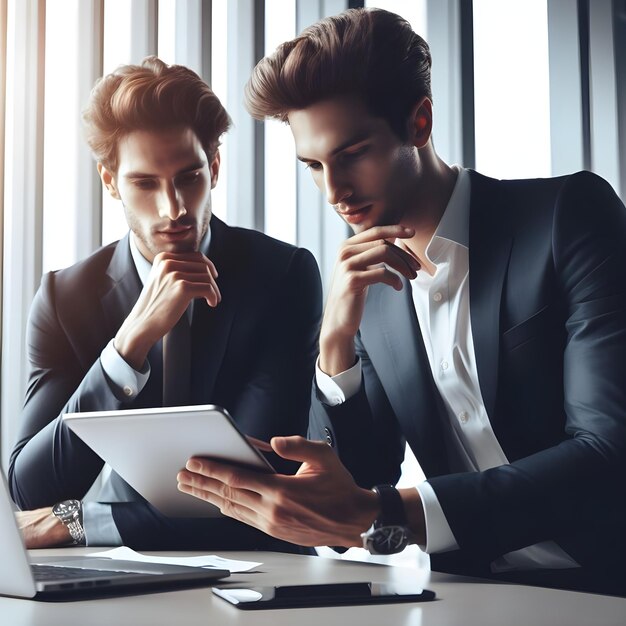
[
  {"x": 70, "y": 512},
  {"x": 389, "y": 534}
]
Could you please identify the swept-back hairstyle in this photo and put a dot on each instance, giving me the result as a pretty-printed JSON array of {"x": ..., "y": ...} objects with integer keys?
[
  {"x": 151, "y": 96},
  {"x": 370, "y": 53}
]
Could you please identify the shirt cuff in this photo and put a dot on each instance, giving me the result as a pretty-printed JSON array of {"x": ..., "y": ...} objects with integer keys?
[
  {"x": 334, "y": 390},
  {"x": 127, "y": 380},
  {"x": 100, "y": 528},
  {"x": 439, "y": 536}
]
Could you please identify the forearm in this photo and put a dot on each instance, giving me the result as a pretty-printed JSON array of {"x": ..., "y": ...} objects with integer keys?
[
  {"x": 337, "y": 353},
  {"x": 42, "y": 529}
]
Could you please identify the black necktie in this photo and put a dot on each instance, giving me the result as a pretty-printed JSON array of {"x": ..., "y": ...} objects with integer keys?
[{"x": 177, "y": 363}]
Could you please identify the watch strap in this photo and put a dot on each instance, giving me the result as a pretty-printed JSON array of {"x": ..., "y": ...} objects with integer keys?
[
  {"x": 392, "y": 512},
  {"x": 76, "y": 530}
]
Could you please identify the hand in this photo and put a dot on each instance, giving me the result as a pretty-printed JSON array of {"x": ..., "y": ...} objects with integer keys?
[
  {"x": 320, "y": 505},
  {"x": 175, "y": 280},
  {"x": 40, "y": 528},
  {"x": 365, "y": 259}
]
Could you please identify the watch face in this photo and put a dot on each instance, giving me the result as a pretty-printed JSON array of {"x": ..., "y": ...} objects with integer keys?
[
  {"x": 389, "y": 539},
  {"x": 66, "y": 509}
]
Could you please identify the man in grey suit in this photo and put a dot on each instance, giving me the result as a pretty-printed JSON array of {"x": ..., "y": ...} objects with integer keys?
[
  {"x": 482, "y": 322},
  {"x": 99, "y": 331}
]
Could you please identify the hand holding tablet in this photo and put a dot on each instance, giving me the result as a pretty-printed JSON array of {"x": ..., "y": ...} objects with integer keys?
[{"x": 148, "y": 447}]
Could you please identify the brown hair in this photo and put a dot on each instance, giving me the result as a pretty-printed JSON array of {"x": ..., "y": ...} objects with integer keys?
[
  {"x": 370, "y": 53},
  {"x": 151, "y": 96}
]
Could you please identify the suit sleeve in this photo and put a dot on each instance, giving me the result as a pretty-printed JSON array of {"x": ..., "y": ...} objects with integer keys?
[
  {"x": 363, "y": 430},
  {"x": 574, "y": 489},
  {"x": 273, "y": 397},
  {"x": 49, "y": 463}
]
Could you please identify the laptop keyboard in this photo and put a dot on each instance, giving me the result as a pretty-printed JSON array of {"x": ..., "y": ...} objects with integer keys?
[{"x": 45, "y": 573}]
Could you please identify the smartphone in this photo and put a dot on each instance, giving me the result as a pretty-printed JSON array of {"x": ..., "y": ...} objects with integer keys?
[{"x": 337, "y": 594}]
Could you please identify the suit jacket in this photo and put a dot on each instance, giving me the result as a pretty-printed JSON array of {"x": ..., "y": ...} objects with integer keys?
[
  {"x": 548, "y": 314},
  {"x": 253, "y": 354}
]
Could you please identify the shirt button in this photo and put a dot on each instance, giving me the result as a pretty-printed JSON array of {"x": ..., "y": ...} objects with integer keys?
[
  {"x": 437, "y": 296},
  {"x": 463, "y": 417},
  {"x": 128, "y": 391},
  {"x": 444, "y": 365}
]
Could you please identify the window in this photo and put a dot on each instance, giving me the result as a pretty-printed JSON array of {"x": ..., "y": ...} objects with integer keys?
[
  {"x": 280, "y": 154},
  {"x": 219, "y": 84},
  {"x": 511, "y": 88},
  {"x": 62, "y": 136},
  {"x": 54, "y": 210}
]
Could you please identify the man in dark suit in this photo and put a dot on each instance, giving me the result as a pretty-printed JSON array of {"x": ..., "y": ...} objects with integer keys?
[
  {"x": 498, "y": 355},
  {"x": 98, "y": 331}
]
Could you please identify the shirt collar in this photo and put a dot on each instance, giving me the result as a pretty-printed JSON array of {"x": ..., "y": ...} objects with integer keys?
[
  {"x": 143, "y": 266},
  {"x": 453, "y": 226}
]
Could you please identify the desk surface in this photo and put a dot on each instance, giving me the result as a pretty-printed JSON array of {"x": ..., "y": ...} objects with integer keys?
[{"x": 460, "y": 601}]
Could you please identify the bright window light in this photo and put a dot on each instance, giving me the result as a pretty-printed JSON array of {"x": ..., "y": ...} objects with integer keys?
[
  {"x": 512, "y": 91},
  {"x": 117, "y": 51},
  {"x": 167, "y": 31},
  {"x": 280, "y": 153},
  {"x": 219, "y": 81},
  {"x": 61, "y": 136}
]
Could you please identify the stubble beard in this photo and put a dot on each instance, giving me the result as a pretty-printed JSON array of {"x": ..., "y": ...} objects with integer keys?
[{"x": 148, "y": 239}]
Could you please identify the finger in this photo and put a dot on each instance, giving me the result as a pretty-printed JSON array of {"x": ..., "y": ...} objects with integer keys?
[
  {"x": 205, "y": 487},
  {"x": 258, "y": 443},
  {"x": 193, "y": 261},
  {"x": 403, "y": 253},
  {"x": 298, "y": 448},
  {"x": 190, "y": 286},
  {"x": 383, "y": 232},
  {"x": 218, "y": 295},
  {"x": 214, "y": 296},
  {"x": 390, "y": 255},
  {"x": 227, "y": 507},
  {"x": 212, "y": 268},
  {"x": 187, "y": 291},
  {"x": 234, "y": 477},
  {"x": 384, "y": 247},
  {"x": 358, "y": 281}
]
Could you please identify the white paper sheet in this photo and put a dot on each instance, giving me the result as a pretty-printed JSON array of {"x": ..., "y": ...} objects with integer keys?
[{"x": 210, "y": 561}]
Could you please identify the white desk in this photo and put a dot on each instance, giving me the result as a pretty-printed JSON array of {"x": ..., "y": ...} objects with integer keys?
[{"x": 459, "y": 601}]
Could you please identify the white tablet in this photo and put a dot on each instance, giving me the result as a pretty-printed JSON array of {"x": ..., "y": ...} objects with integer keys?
[{"x": 148, "y": 447}]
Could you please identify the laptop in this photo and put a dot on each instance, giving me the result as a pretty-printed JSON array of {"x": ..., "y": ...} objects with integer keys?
[{"x": 47, "y": 578}]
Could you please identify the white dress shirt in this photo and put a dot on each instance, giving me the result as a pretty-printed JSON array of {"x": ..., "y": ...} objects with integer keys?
[{"x": 442, "y": 306}]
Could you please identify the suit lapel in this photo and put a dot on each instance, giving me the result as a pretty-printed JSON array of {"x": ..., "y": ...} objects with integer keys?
[
  {"x": 489, "y": 252},
  {"x": 392, "y": 338},
  {"x": 120, "y": 295}
]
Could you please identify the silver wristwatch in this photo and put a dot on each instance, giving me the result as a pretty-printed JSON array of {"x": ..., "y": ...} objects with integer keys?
[{"x": 70, "y": 513}]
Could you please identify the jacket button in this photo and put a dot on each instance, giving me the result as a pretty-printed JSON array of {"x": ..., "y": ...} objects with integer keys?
[{"x": 329, "y": 437}]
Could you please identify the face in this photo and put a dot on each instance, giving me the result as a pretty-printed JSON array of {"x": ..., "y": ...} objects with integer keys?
[
  {"x": 366, "y": 172},
  {"x": 164, "y": 180}
]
